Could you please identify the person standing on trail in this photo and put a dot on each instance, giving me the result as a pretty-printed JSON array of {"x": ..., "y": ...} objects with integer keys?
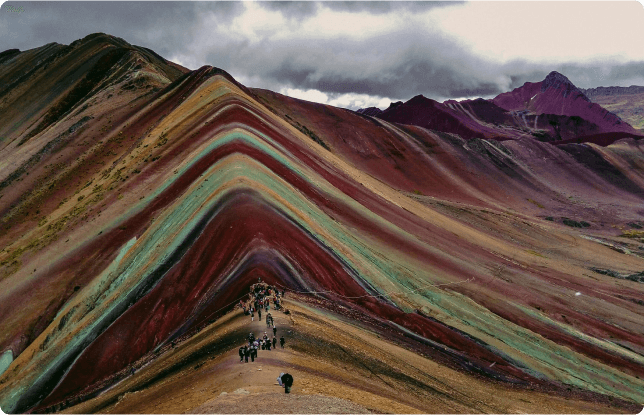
[
  {"x": 259, "y": 314},
  {"x": 253, "y": 354},
  {"x": 274, "y": 342},
  {"x": 274, "y": 330},
  {"x": 252, "y": 316},
  {"x": 246, "y": 353},
  {"x": 241, "y": 354},
  {"x": 282, "y": 342},
  {"x": 268, "y": 345}
]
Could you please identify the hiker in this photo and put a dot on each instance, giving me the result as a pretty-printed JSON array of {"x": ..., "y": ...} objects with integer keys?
[
  {"x": 251, "y": 337},
  {"x": 268, "y": 319},
  {"x": 282, "y": 341},
  {"x": 268, "y": 345},
  {"x": 274, "y": 342},
  {"x": 246, "y": 353},
  {"x": 259, "y": 314},
  {"x": 253, "y": 354},
  {"x": 274, "y": 330},
  {"x": 263, "y": 345},
  {"x": 285, "y": 380},
  {"x": 241, "y": 354}
]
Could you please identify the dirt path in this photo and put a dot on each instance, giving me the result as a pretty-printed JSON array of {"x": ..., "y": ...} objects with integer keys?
[
  {"x": 261, "y": 375},
  {"x": 260, "y": 392}
]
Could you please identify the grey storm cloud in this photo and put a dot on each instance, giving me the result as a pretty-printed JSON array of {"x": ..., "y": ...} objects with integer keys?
[
  {"x": 399, "y": 67},
  {"x": 399, "y": 64},
  {"x": 303, "y": 9},
  {"x": 164, "y": 27}
]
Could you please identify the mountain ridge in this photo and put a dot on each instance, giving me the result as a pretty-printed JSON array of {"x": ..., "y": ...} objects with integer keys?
[{"x": 551, "y": 110}]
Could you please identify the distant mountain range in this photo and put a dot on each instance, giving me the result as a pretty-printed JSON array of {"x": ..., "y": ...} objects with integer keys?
[
  {"x": 553, "y": 110},
  {"x": 626, "y": 102},
  {"x": 603, "y": 91}
]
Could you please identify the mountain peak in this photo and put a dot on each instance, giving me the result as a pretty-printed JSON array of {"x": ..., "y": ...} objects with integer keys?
[
  {"x": 555, "y": 80},
  {"x": 101, "y": 38},
  {"x": 555, "y": 76}
]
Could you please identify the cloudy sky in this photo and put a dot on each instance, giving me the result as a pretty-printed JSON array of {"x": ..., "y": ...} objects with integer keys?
[{"x": 358, "y": 54}]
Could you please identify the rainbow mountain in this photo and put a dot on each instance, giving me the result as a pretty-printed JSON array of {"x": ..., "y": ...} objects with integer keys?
[{"x": 424, "y": 271}]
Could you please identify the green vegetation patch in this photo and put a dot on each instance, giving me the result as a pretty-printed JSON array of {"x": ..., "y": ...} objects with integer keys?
[{"x": 574, "y": 223}]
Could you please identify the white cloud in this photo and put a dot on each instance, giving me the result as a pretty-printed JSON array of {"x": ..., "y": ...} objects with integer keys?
[
  {"x": 350, "y": 101},
  {"x": 257, "y": 23},
  {"x": 312, "y": 95},
  {"x": 355, "y": 101}
]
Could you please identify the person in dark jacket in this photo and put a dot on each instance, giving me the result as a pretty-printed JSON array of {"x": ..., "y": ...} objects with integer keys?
[
  {"x": 286, "y": 381},
  {"x": 274, "y": 342},
  {"x": 246, "y": 353},
  {"x": 282, "y": 341},
  {"x": 274, "y": 330},
  {"x": 241, "y": 354}
]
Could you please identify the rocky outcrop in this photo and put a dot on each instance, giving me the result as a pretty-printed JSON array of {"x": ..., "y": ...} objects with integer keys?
[{"x": 371, "y": 111}]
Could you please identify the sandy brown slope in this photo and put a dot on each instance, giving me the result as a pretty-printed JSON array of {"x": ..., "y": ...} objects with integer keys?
[{"x": 337, "y": 366}]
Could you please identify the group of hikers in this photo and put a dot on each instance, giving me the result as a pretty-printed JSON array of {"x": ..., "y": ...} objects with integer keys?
[
  {"x": 260, "y": 298},
  {"x": 264, "y": 343}
]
